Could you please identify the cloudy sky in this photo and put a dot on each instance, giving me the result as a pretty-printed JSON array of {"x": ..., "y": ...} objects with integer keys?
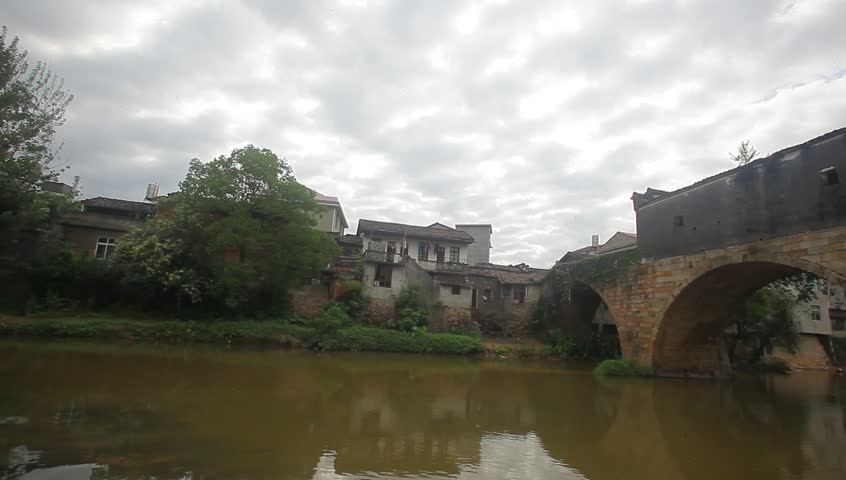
[{"x": 540, "y": 117}]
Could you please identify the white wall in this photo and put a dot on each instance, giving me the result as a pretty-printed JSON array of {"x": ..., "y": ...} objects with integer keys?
[{"x": 414, "y": 245}]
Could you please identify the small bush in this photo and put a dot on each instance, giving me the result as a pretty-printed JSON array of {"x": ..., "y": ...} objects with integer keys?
[
  {"x": 331, "y": 320},
  {"x": 773, "y": 365},
  {"x": 361, "y": 338},
  {"x": 621, "y": 368}
]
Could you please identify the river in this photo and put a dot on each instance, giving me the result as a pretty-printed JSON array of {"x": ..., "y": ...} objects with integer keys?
[{"x": 84, "y": 410}]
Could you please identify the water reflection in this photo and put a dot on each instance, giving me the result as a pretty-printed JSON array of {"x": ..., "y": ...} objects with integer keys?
[{"x": 143, "y": 412}]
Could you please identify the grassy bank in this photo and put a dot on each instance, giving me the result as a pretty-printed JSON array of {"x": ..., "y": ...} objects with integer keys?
[{"x": 355, "y": 338}]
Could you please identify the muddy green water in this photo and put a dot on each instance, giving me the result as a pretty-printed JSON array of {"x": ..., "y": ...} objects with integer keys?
[{"x": 90, "y": 410}]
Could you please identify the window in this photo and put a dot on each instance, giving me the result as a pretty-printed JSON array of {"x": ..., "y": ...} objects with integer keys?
[
  {"x": 816, "y": 313},
  {"x": 439, "y": 253},
  {"x": 486, "y": 295},
  {"x": 456, "y": 290},
  {"x": 829, "y": 176},
  {"x": 518, "y": 293},
  {"x": 423, "y": 251},
  {"x": 392, "y": 247},
  {"x": 384, "y": 273},
  {"x": 105, "y": 247},
  {"x": 454, "y": 254},
  {"x": 678, "y": 221}
]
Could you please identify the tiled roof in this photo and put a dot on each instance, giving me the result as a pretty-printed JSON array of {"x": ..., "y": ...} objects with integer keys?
[
  {"x": 120, "y": 205},
  {"x": 414, "y": 231},
  {"x": 507, "y": 274}
]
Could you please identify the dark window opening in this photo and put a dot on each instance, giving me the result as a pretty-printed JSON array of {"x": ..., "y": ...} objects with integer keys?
[
  {"x": 440, "y": 253},
  {"x": 678, "y": 221},
  {"x": 518, "y": 294},
  {"x": 456, "y": 290},
  {"x": 392, "y": 249},
  {"x": 506, "y": 292},
  {"x": 486, "y": 295},
  {"x": 454, "y": 254},
  {"x": 423, "y": 251},
  {"x": 829, "y": 176},
  {"x": 384, "y": 273}
]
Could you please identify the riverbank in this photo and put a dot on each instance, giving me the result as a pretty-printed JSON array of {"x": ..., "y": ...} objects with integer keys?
[{"x": 245, "y": 332}]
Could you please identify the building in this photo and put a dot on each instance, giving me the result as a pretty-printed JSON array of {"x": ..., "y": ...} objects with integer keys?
[
  {"x": 480, "y": 250},
  {"x": 95, "y": 229},
  {"x": 447, "y": 265},
  {"x": 748, "y": 203},
  {"x": 331, "y": 219}
]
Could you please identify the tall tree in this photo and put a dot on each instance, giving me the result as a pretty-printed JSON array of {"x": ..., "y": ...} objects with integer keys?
[
  {"x": 32, "y": 105},
  {"x": 239, "y": 234},
  {"x": 745, "y": 153}
]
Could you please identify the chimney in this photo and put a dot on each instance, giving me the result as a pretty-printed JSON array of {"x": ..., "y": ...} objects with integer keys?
[
  {"x": 594, "y": 242},
  {"x": 152, "y": 192}
]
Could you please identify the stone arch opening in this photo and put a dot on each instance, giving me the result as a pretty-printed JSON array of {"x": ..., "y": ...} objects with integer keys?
[
  {"x": 689, "y": 336},
  {"x": 584, "y": 314}
]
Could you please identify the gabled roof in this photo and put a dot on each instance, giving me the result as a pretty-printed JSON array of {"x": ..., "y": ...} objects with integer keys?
[
  {"x": 119, "y": 205},
  {"x": 440, "y": 225},
  {"x": 505, "y": 274},
  {"x": 619, "y": 241},
  {"x": 414, "y": 231}
]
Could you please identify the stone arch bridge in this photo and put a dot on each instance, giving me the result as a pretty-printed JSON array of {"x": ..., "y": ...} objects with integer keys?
[{"x": 670, "y": 312}]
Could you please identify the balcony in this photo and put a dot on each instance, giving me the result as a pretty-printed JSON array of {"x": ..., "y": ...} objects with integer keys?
[{"x": 381, "y": 256}]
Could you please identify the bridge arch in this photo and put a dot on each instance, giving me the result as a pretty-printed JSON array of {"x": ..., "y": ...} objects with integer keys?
[{"x": 688, "y": 333}]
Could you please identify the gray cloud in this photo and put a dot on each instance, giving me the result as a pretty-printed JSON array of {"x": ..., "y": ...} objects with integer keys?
[{"x": 538, "y": 117}]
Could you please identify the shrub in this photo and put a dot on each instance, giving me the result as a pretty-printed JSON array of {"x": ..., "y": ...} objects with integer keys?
[
  {"x": 773, "y": 365},
  {"x": 361, "y": 338},
  {"x": 413, "y": 308},
  {"x": 595, "y": 347},
  {"x": 334, "y": 317},
  {"x": 351, "y": 297},
  {"x": 621, "y": 368}
]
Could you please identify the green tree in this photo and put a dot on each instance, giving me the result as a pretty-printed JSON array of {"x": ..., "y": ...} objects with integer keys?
[
  {"x": 765, "y": 321},
  {"x": 32, "y": 105},
  {"x": 238, "y": 234},
  {"x": 745, "y": 153}
]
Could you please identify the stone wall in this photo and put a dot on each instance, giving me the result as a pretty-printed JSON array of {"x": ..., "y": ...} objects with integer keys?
[
  {"x": 378, "y": 312},
  {"x": 308, "y": 301},
  {"x": 671, "y": 311},
  {"x": 444, "y": 319},
  {"x": 811, "y": 353}
]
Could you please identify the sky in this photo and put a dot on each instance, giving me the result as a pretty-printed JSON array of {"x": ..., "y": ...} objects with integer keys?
[{"x": 540, "y": 117}]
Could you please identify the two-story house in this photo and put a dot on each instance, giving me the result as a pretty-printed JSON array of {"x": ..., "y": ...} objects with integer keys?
[{"x": 388, "y": 247}]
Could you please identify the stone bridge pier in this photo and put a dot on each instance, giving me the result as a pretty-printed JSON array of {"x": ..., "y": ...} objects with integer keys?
[{"x": 671, "y": 312}]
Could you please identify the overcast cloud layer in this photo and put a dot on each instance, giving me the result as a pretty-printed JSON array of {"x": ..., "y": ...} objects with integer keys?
[{"x": 540, "y": 117}]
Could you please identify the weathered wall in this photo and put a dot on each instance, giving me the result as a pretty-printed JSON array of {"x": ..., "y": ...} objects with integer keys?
[
  {"x": 446, "y": 297},
  {"x": 377, "y": 312},
  {"x": 671, "y": 312},
  {"x": 329, "y": 220},
  {"x": 766, "y": 199},
  {"x": 309, "y": 300},
  {"x": 83, "y": 240},
  {"x": 480, "y": 250},
  {"x": 413, "y": 246},
  {"x": 444, "y": 319},
  {"x": 811, "y": 353}
]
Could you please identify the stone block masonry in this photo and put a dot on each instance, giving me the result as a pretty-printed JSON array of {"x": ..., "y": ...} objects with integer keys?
[{"x": 670, "y": 312}]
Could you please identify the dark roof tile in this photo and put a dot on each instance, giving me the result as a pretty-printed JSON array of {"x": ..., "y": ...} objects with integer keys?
[{"x": 414, "y": 231}]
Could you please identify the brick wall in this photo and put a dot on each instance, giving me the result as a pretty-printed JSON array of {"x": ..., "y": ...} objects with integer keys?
[{"x": 308, "y": 301}]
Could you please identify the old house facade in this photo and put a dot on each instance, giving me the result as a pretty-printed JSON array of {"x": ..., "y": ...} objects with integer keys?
[
  {"x": 95, "y": 230},
  {"x": 447, "y": 264}
]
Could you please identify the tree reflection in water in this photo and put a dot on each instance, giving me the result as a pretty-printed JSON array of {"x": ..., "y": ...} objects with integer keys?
[{"x": 137, "y": 412}]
